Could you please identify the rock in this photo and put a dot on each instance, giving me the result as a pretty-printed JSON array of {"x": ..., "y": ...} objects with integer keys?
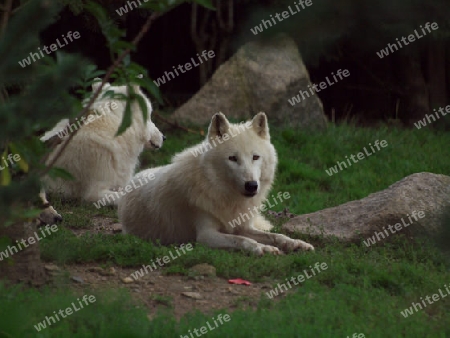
[
  {"x": 127, "y": 280},
  {"x": 116, "y": 228},
  {"x": 261, "y": 76},
  {"x": 110, "y": 272},
  {"x": 77, "y": 279},
  {"x": 203, "y": 270},
  {"x": 51, "y": 267},
  {"x": 421, "y": 192},
  {"x": 194, "y": 295}
]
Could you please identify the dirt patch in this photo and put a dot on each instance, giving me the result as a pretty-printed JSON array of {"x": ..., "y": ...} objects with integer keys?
[{"x": 177, "y": 294}]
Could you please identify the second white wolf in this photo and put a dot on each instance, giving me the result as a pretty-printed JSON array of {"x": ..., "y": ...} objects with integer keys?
[{"x": 100, "y": 161}]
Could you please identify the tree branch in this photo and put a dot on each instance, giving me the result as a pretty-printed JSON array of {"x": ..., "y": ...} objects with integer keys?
[{"x": 7, "y": 11}]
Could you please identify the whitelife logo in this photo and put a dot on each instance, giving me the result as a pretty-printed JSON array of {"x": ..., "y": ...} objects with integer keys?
[
  {"x": 188, "y": 66},
  {"x": 237, "y": 221},
  {"x": 94, "y": 115},
  {"x": 20, "y": 245},
  {"x": 204, "y": 330},
  {"x": 53, "y": 48},
  {"x": 208, "y": 145},
  {"x": 111, "y": 199},
  {"x": 10, "y": 158},
  {"x": 319, "y": 267},
  {"x": 417, "y": 306},
  {"x": 68, "y": 311},
  {"x": 423, "y": 123},
  {"x": 372, "y": 240},
  {"x": 411, "y": 38},
  {"x": 341, "y": 74},
  {"x": 284, "y": 14},
  {"x": 165, "y": 260},
  {"x": 360, "y": 155}
]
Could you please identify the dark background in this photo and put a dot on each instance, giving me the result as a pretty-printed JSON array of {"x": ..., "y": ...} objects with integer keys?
[{"x": 331, "y": 35}]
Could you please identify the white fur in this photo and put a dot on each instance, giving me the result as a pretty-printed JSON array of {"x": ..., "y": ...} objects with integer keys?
[
  {"x": 195, "y": 197},
  {"x": 99, "y": 161}
]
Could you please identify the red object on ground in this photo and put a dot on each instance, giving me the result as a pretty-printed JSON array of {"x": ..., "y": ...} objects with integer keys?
[{"x": 239, "y": 281}]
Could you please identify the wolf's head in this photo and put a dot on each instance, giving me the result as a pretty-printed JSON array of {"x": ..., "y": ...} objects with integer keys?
[
  {"x": 153, "y": 137},
  {"x": 241, "y": 155}
]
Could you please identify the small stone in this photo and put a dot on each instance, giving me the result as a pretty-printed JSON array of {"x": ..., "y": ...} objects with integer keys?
[
  {"x": 110, "y": 272},
  {"x": 194, "y": 295},
  {"x": 77, "y": 279},
  {"x": 116, "y": 228},
  {"x": 127, "y": 280},
  {"x": 51, "y": 267}
]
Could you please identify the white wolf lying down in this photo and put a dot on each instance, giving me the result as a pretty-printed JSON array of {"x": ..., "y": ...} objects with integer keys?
[
  {"x": 99, "y": 161},
  {"x": 196, "y": 197}
]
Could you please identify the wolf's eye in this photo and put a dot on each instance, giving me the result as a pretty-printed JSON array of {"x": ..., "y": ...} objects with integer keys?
[
  {"x": 255, "y": 157},
  {"x": 233, "y": 158}
]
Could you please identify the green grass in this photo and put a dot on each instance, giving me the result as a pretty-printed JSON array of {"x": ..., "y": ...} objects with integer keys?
[{"x": 362, "y": 291}]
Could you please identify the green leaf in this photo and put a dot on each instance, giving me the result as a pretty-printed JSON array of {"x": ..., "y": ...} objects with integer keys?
[
  {"x": 97, "y": 73},
  {"x": 30, "y": 213},
  {"x": 23, "y": 165},
  {"x": 5, "y": 177},
  {"x": 90, "y": 69},
  {"x": 126, "y": 121},
  {"x": 143, "y": 105},
  {"x": 153, "y": 89},
  {"x": 56, "y": 172},
  {"x": 111, "y": 94}
]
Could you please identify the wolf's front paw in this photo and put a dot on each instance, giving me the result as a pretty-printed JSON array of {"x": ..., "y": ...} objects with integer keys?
[
  {"x": 296, "y": 244},
  {"x": 261, "y": 249}
]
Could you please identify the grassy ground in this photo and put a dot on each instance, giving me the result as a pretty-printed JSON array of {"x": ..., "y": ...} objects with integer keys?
[{"x": 363, "y": 289}]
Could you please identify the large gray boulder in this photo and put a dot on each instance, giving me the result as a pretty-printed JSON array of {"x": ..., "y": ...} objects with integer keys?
[
  {"x": 261, "y": 76},
  {"x": 426, "y": 193}
]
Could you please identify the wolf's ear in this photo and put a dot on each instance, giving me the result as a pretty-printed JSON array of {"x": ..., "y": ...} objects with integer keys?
[
  {"x": 219, "y": 126},
  {"x": 261, "y": 126},
  {"x": 136, "y": 86},
  {"x": 97, "y": 82}
]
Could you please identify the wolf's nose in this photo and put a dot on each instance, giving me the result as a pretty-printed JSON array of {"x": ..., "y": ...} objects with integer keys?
[
  {"x": 251, "y": 186},
  {"x": 57, "y": 219}
]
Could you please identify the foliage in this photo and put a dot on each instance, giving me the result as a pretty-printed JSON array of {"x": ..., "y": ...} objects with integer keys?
[{"x": 35, "y": 97}]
